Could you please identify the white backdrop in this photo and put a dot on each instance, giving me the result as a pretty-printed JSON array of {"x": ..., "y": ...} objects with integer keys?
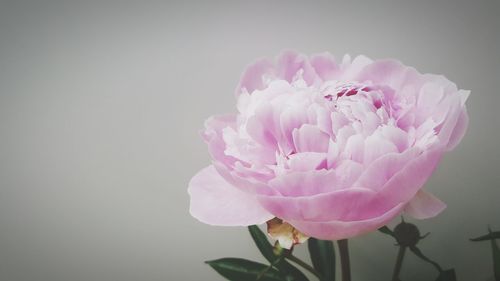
[{"x": 101, "y": 104}]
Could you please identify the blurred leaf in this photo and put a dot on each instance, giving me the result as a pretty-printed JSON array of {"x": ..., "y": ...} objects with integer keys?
[
  {"x": 236, "y": 269},
  {"x": 384, "y": 229},
  {"x": 323, "y": 258},
  {"x": 496, "y": 259},
  {"x": 489, "y": 236},
  {"x": 419, "y": 254},
  {"x": 492, "y": 235},
  {"x": 447, "y": 275},
  {"x": 266, "y": 249}
]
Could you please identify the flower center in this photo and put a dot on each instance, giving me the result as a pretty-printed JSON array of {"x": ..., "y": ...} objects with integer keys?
[{"x": 339, "y": 89}]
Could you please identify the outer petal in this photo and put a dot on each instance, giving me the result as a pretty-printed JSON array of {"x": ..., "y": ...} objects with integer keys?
[
  {"x": 336, "y": 230},
  {"x": 407, "y": 182},
  {"x": 424, "y": 205},
  {"x": 213, "y": 137},
  {"x": 325, "y": 66},
  {"x": 253, "y": 77},
  {"x": 344, "y": 204},
  {"x": 290, "y": 63},
  {"x": 216, "y": 202},
  {"x": 459, "y": 131}
]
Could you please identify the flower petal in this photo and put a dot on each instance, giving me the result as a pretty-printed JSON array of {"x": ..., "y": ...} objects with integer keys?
[
  {"x": 349, "y": 203},
  {"x": 309, "y": 138},
  {"x": 254, "y": 75},
  {"x": 213, "y": 137},
  {"x": 216, "y": 202},
  {"x": 424, "y": 205},
  {"x": 336, "y": 230},
  {"x": 459, "y": 130},
  {"x": 405, "y": 184}
]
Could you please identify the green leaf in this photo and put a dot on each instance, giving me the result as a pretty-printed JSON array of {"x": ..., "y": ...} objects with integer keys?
[
  {"x": 260, "y": 239},
  {"x": 489, "y": 236},
  {"x": 384, "y": 229},
  {"x": 266, "y": 249},
  {"x": 236, "y": 269},
  {"x": 323, "y": 258},
  {"x": 447, "y": 275}
]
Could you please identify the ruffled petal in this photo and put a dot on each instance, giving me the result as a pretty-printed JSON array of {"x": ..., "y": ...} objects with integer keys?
[
  {"x": 254, "y": 75},
  {"x": 292, "y": 65},
  {"x": 214, "y": 201},
  {"x": 213, "y": 137},
  {"x": 325, "y": 66}
]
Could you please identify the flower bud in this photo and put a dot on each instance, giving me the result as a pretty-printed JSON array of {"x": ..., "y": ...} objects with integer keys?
[{"x": 407, "y": 234}]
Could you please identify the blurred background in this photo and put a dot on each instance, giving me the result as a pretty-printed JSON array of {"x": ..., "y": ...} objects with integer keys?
[{"x": 101, "y": 103}]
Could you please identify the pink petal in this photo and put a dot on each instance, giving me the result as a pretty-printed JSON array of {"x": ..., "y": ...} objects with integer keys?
[
  {"x": 325, "y": 66},
  {"x": 446, "y": 129},
  {"x": 290, "y": 63},
  {"x": 424, "y": 205},
  {"x": 336, "y": 230},
  {"x": 306, "y": 161},
  {"x": 459, "y": 130},
  {"x": 213, "y": 137},
  {"x": 395, "y": 135},
  {"x": 375, "y": 147},
  {"x": 309, "y": 138},
  {"x": 350, "y": 203},
  {"x": 305, "y": 183},
  {"x": 261, "y": 126},
  {"x": 216, "y": 202},
  {"x": 411, "y": 177},
  {"x": 246, "y": 184},
  {"x": 387, "y": 72},
  {"x": 290, "y": 119},
  {"x": 252, "y": 78},
  {"x": 354, "y": 148},
  {"x": 381, "y": 170}
]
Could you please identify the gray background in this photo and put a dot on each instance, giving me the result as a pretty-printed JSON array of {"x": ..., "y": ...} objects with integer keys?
[{"x": 101, "y": 104}]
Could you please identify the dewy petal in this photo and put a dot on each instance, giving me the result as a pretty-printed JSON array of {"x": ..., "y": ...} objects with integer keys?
[
  {"x": 424, "y": 205},
  {"x": 214, "y": 201},
  {"x": 336, "y": 230}
]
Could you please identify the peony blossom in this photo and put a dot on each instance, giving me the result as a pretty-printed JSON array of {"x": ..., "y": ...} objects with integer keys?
[{"x": 333, "y": 149}]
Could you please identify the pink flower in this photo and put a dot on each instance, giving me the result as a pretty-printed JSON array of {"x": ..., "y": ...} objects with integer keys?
[{"x": 334, "y": 149}]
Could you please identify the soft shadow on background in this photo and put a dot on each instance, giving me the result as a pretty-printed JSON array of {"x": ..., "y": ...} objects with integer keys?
[{"x": 101, "y": 104}]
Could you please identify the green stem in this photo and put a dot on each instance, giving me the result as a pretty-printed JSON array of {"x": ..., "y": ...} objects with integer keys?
[
  {"x": 399, "y": 263},
  {"x": 344, "y": 260},
  {"x": 303, "y": 264}
]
